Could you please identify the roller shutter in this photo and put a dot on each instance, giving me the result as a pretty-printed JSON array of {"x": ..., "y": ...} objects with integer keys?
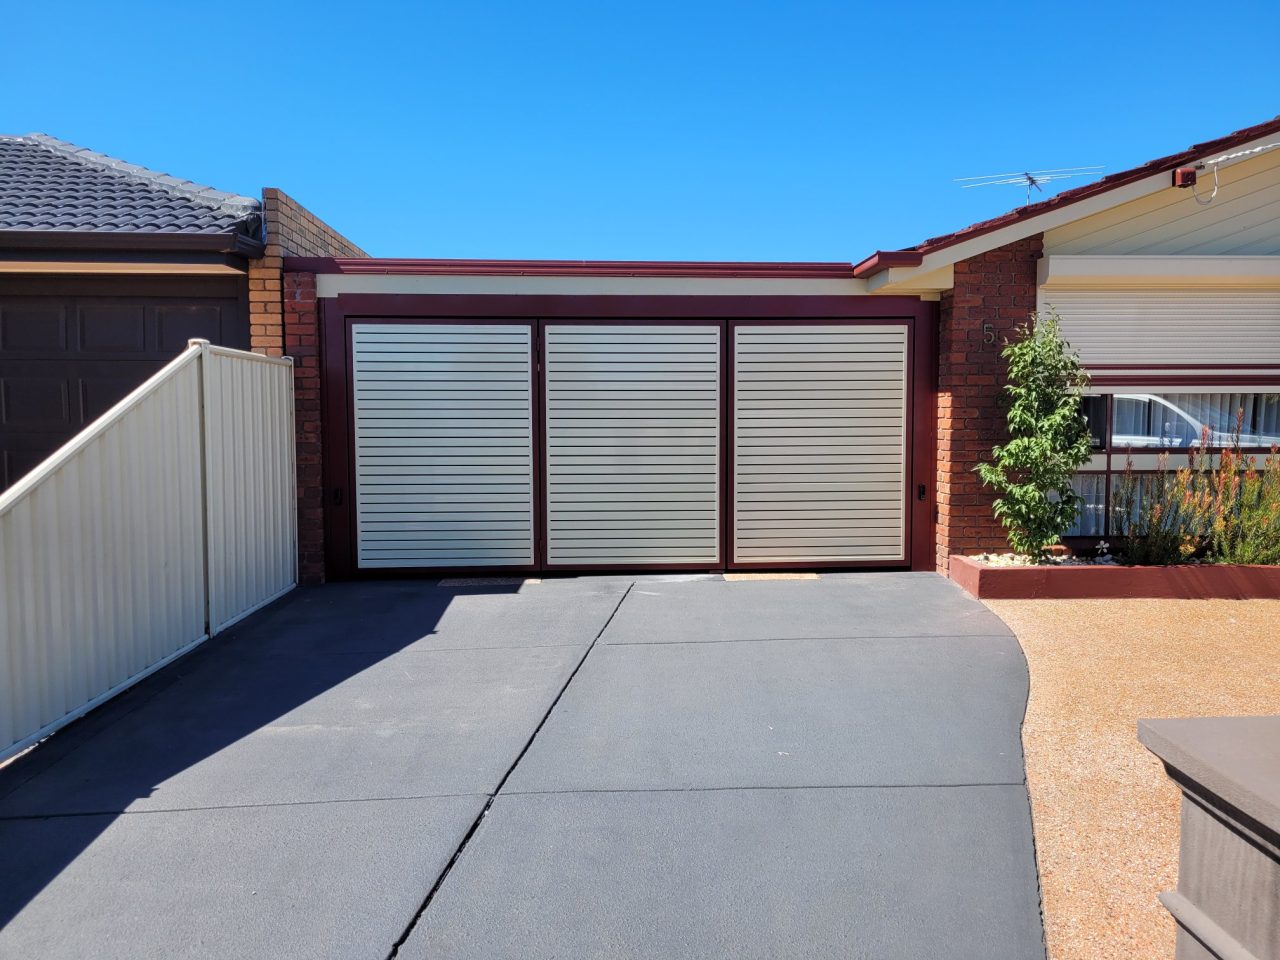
[
  {"x": 632, "y": 444},
  {"x": 819, "y": 448},
  {"x": 443, "y": 444},
  {"x": 1194, "y": 329}
]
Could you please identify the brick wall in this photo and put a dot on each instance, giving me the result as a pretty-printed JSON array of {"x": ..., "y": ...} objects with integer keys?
[
  {"x": 992, "y": 293},
  {"x": 301, "y": 341},
  {"x": 283, "y": 320},
  {"x": 292, "y": 231}
]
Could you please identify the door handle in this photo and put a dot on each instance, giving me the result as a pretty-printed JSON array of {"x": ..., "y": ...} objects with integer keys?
[{"x": 921, "y": 492}]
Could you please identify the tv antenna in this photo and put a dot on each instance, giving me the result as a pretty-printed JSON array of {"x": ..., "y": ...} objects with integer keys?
[{"x": 1029, "y": 178}]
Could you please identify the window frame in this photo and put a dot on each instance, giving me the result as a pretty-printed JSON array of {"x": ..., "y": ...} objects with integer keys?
[{"x": 1109, "y": 451}]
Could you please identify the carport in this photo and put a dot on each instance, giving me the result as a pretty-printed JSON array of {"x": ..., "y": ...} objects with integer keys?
[{"x": 527, "y": 417}]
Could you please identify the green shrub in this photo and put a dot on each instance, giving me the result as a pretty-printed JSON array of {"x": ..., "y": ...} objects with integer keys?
[
  {"x": 1048, "y": 438},
  {"x": 1223, "y": 513},
  {"x": 1160, "y": 518},
  {"x": 1246, "y": 509}
]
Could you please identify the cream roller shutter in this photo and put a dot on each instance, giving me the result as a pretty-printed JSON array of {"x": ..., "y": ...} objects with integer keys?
[
  {"x": 443, "y": 444},
  {"x": 632, "y": 444},
  {"x": 1192, "y": 328},
  {"x": 819, "y": 443}
]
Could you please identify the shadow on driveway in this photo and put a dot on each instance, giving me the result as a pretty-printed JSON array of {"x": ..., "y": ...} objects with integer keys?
[{"x": 344, "y": 723}]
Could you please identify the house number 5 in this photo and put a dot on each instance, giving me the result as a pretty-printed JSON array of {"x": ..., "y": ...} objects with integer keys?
[{"x": 988, "y": 333}]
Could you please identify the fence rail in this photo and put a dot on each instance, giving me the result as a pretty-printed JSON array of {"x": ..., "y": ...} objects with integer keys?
[{"x": 161, "y": 523}]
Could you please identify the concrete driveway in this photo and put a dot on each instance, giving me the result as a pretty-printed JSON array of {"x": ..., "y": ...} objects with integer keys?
[{"x": 594, "y": 767}]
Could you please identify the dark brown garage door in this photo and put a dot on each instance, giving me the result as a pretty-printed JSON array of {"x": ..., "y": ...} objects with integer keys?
[{"x": 69, "y": 349}]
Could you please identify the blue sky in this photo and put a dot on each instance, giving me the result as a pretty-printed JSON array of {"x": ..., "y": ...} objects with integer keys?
[{"x": 655, "y": 130}]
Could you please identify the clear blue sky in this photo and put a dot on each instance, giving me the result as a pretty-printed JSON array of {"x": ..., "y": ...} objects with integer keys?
[{"x": 654, "y": 130}]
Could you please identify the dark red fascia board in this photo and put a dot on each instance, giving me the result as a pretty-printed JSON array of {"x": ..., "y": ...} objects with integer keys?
[
  {"x": 236, "y": 243},
  {"x": 882, "y": 260},
  {"x": 571, "y": 268}
]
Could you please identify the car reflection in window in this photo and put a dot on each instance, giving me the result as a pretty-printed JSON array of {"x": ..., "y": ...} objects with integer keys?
[{"x": 1149, "y": 420}]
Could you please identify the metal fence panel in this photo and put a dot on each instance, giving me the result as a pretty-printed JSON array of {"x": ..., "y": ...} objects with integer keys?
[
  {"x": 249, "y": 466},
  {"x": 106, "y": 569}
]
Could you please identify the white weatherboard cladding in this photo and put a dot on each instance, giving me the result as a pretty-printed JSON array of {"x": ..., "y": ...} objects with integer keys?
[
  {"x": 633, "y": 444},
  {"x": 1241, "y": 220},
  {"x": 1191, "y": 328},
  {"x": 819, "y": 443},
  {"x": 444, "y": 444}
]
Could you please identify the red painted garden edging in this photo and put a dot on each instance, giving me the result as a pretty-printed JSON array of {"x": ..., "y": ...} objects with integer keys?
[{"x": 1189, "y": 582}]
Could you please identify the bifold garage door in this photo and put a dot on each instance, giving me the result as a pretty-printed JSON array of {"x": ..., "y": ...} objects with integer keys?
[
  {"x": 443, "y": 444},
  {"x": 604, "y": 444},
  {"x": 633, "y": 444},
  {"x": 819, "y": 448}
]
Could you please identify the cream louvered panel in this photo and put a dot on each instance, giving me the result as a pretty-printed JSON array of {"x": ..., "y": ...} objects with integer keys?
[
  {"x": 819, "y": 443},
  {"x": 633, "y": 444},
  {"x": 444, "y": 444},
  {"x": 1139, "y": 328}
]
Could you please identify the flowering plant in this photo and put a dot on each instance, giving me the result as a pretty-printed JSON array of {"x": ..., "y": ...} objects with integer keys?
[{"x": 1226, "y": 511}]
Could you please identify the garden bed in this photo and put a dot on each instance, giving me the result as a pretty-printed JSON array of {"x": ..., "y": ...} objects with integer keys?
[{"x": 1203, "y": 581}]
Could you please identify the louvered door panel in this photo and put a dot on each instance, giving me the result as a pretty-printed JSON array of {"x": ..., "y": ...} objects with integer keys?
[
  {"x": 444, "y": 444},
  {"x": 632, "y": 444},
  {"x": 820, "y": 433}
]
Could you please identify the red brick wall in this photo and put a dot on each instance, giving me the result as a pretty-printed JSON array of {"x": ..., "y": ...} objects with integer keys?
[
  {"x": 292, "y": 231},
  {"x": 993, "y": 293},
  {"x": 301, "y": 341},
  {"x": 283, "y": 319}
]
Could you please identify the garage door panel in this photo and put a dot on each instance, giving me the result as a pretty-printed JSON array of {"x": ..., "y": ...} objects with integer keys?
[
  {"x": 819, "y": 443},
  {"x": 413, "y": 495},
  {"x": 68, "y": 356},
  {"x": 632, "y": 440},
  {"x": 443, "y": 444}
]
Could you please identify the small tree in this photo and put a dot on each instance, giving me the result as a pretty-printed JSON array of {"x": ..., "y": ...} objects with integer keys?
[{"x": 1048, "y": 438}]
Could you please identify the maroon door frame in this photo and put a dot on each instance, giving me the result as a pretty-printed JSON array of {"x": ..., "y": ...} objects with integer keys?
[{"x": 337, "y": 425}]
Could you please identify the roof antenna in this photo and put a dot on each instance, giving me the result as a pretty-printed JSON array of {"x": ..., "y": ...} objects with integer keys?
[{"x": 1029, "y": 178}]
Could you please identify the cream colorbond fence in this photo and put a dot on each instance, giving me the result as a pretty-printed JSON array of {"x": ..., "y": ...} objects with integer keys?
[{"x": 163, "y": 522}]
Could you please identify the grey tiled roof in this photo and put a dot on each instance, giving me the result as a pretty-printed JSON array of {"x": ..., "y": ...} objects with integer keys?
[{"x": 50, "y": 185}]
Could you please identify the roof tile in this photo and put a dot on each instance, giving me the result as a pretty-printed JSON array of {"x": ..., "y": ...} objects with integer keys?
[{"x": 48, "y": 184}]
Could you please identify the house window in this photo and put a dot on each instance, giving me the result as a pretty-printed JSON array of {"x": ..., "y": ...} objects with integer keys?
[
  {"x": 1133, "y": 419},
  {"x": 1144, "y": 420},
  {"x": 1091, "y": 521},
  {"x": 1095, "y": 413}
]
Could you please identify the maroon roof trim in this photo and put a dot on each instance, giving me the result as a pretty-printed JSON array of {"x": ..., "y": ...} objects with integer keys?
[
  {"x": 884, "y": 259},
  {"x": 571, "y": 268},
  {"x": 877, "y": 262}
]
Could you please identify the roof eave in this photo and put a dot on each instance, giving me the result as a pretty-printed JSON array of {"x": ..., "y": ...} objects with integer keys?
[
  {"x": 1113, "y": 186},
  {"x": 883, "y": 260},
  {"x": 573, "y": 268},
  {"x": 237, "y": 243}
]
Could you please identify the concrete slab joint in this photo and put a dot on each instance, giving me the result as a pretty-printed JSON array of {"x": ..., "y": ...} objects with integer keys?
[{"x": 602, "y": 766}]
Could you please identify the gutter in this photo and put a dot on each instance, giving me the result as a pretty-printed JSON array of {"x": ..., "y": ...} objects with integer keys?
[{"x": 235, "y": 243}]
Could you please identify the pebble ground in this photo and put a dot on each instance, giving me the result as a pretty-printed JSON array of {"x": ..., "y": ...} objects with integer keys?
[{"x": 1106, "y": 816}]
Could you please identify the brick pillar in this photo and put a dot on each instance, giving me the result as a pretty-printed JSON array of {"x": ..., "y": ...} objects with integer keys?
[
  {"x": 992, "y": 293},
  {"x": 301, "y": 341},
  {"x": 266, "y": 322}
]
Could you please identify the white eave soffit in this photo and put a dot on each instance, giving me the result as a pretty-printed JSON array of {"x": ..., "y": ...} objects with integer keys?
[
  {"x": 1140, "y": 271},
  {"x": 904, "y": 279}
]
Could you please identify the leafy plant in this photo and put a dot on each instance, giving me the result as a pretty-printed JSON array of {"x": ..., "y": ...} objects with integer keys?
[
  {"x": 1228, "y": 512},
  {"x": 1245, "y": 505},
  {"x": 1162, "y": 518},
  {"x": 1048, "y": 438}
]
